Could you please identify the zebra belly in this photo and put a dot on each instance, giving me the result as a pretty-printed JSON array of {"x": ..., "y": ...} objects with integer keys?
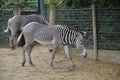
[{"x": 44, "y": 42}]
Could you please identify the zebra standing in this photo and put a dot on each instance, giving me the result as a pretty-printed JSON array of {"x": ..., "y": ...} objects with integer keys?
[
  {"x": 53, "y": 34},
  {"x": 17, "y": 22}
]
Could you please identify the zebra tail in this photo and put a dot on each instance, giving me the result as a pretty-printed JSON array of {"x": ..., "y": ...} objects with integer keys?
[
  {"x": 18, "y": 40},
  {"x": 7, "y": 27}
]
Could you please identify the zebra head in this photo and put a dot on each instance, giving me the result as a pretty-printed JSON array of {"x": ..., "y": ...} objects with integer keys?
[{"x": 80, "y": 43}]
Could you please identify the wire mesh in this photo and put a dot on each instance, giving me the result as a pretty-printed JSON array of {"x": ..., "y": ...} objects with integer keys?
[
  {"x": 108, "y": 28},
  {"x": 108, "y": 25},
  {"x": 77, "y": 19}
]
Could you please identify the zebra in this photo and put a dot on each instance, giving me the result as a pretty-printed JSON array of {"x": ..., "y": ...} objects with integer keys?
[
  {"x": 17, "y": 22},
  {"x": 57, "y": 35}
]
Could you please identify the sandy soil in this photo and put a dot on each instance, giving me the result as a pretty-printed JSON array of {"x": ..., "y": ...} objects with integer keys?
[{"x": 87, "y": 69}]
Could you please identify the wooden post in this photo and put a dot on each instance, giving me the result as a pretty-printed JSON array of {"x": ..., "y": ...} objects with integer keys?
[
  {"x": 52, "y": 16},
  {"x": 16, "y": 11},
  {"x": 94, "y": 31}
]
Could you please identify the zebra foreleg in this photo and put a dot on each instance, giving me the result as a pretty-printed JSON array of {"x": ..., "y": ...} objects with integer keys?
[{"x": 67, "y": 51}]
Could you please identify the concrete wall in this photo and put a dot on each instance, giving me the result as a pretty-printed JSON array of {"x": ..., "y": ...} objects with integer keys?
[
  {"x": 106, "y": 55},
  {"x": 109, "y": 56}
]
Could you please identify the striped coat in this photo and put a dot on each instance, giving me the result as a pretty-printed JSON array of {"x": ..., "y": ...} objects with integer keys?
[
  {"x": 57, "y": 35},
  {"x": 17, "y": 22}
]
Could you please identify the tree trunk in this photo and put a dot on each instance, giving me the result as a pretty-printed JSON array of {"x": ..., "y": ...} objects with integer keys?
[
  {"x": 52, "y": 14},
  {"x": 16, "y": 11}
]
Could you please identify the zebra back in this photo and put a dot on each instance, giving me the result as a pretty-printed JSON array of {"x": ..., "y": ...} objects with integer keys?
[{"x": 41, "y": 19}]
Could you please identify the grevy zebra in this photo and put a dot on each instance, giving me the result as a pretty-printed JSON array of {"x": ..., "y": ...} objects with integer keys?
[
  {"x": 55, "y": 35},
  {"x": 17, "y": 22}
]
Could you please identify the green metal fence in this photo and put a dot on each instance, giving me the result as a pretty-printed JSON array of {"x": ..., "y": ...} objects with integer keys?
[
  {"x": 108, "y": 25},
  {"x": 108, "y": 28},
  {"x": 4, "y": 16},
  {"x": 6, "y": 13},
  {"x": 77, "y": 19}
]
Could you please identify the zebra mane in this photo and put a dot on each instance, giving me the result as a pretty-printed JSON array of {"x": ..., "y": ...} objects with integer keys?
[{"x": 69, "y": 28}]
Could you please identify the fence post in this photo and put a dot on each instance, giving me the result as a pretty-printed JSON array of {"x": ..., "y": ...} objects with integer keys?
[
  {"x": 94, "y": 31},
  {"x": 42, "y": 7},
  {"x": 39, "y": 6}
]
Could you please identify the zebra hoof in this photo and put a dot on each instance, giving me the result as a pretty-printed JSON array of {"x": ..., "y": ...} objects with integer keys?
[
  {"x": 52, "y": 67},
  {"x": 73, "y": 67},
  {"x": 12, "y": 48},
  {"x": 23, "y": 64},
  {"x": 50, "y": 50}
]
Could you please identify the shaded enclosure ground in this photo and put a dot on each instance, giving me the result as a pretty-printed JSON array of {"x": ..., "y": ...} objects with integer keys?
[{"x": 87, "y": 69}]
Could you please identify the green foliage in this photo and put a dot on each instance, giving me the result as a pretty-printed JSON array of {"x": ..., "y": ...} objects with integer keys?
[
  {"x": 25, "y": 5},
  {"x": 4, "y": 45},
  {"x": 14, "y": 3},
  {"x": 76, "y": 4},
  {"x": 107, "y": 3},
  {"x": 31, "y": 5},
  {"x": 48, "y": 2},
  {"x": 1, "y": 4}
]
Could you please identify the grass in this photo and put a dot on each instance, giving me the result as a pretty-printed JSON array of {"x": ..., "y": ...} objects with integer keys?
[{"x": 4, "y": 45}]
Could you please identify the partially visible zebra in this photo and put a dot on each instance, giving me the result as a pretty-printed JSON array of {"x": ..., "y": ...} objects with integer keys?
[
  {"x": 17, "y": 22},
  {"x": 57, "y": 35}
]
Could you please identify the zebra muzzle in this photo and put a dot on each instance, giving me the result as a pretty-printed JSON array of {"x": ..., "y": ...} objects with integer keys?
[{"x": 85, "y": 55}]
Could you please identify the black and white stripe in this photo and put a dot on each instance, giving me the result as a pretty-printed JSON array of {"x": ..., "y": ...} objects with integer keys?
[
  {"x": 68, "y": 36},
  {"x": 57, "y": 35}
]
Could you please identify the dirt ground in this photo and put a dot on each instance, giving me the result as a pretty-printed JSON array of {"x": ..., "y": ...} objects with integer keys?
[{"x": 87, "y": 69}]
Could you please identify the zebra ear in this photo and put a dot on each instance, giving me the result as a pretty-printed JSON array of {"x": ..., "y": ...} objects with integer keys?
[{"x": 83, "y": 33}]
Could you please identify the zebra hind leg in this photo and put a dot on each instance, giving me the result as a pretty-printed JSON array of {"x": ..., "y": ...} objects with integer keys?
[
  {"x": 29, "y": 55},
  {"x": 12, "y": 37},
  {"x": 23, "y": 52}
]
